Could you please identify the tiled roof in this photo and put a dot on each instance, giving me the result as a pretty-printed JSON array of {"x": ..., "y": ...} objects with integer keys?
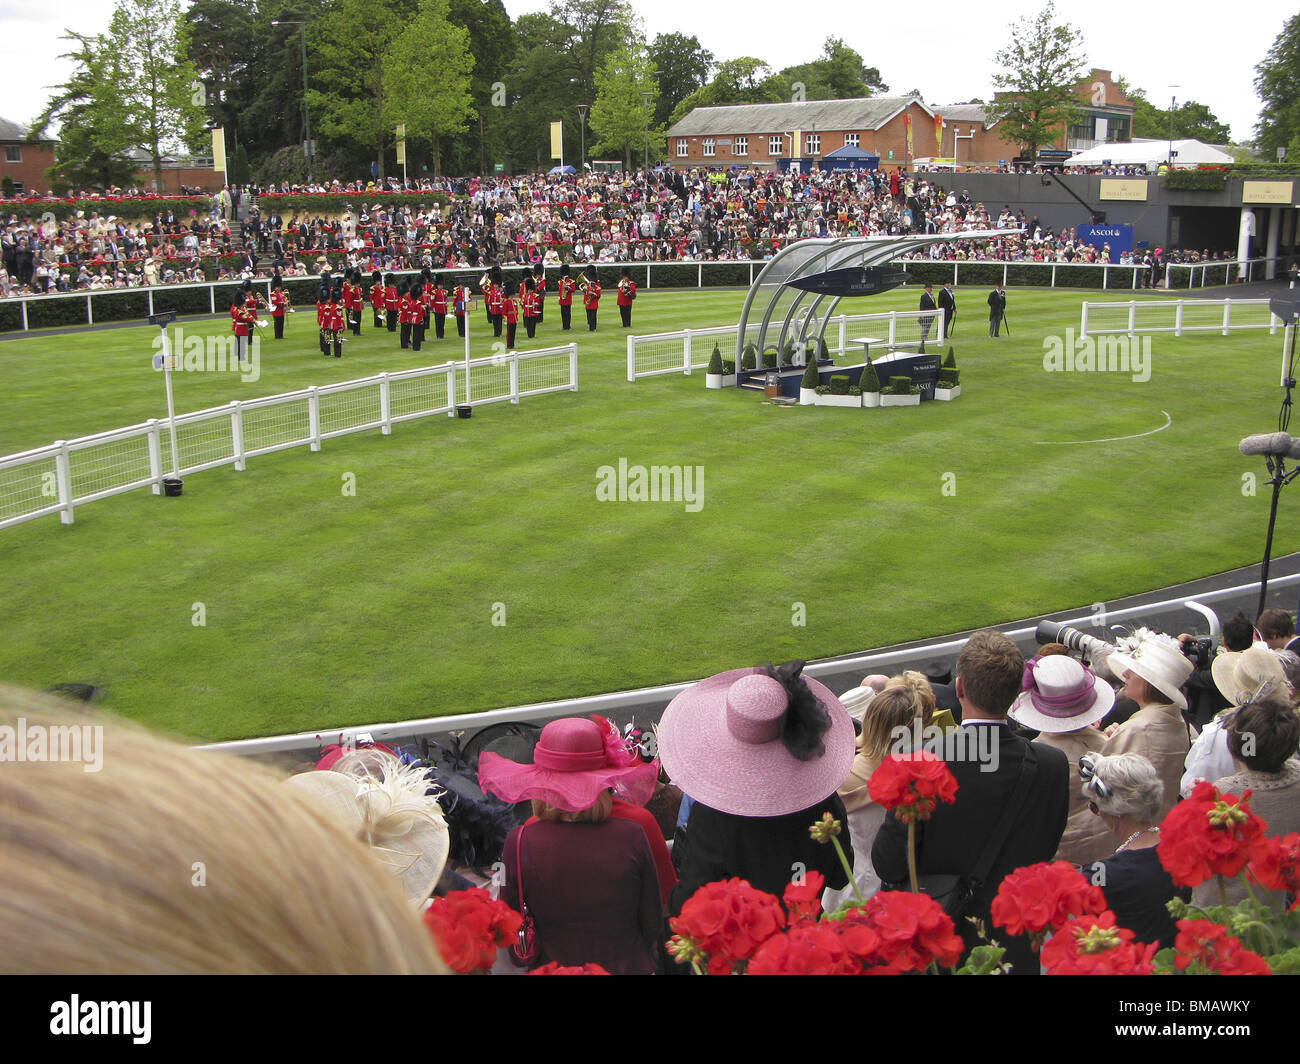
[{"x": 810, "y": 115}]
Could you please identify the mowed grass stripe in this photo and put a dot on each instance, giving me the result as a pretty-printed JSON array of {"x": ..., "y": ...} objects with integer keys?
[{"x": 324, "y": 610}]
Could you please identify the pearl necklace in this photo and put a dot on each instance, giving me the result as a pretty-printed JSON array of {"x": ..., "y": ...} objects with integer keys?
[{"x": 1140, "y": 831}]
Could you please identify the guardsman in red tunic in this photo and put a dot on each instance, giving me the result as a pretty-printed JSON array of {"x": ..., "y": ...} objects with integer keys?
[
  {"x": 378, "y": 295},
  {"x": 438, "y": 304},
  {"x": 565, "y": 289},
  {"x": 495, "y": 297},
  {"x": 322, "y": 314},
  {"x": 460, "y": 300},
  {"x": 510, "y": 309},
  {"x": 591, "y": 297},
  {"x": 279, "y": 304},
  {"x": 352, "y": 300},
  {"x": 539, "y": 286},
  {"x": 626, "y": 293},
  {"x": 404, "y": 317},
  {"x": 252, "y": 301},
  {"x": 334, "y": 321},
  {"x": 391, "y": 303},
  {"x": 241, "y": 325},
  {"x": 528, "y": 306}
]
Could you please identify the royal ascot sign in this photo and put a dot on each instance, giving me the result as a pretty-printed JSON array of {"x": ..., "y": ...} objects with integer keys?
[
  {"x": 1128, "y": 188},
  {"x": 1266, "y": 192}
]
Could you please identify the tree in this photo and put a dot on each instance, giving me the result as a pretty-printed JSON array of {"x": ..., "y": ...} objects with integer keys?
[
  {"x": 430, "y": 108},
  {"x": 744, "y": 80},
  {"x": 1038, "y": 72},
  {"x": 160, "y": 87},
  {"x": 95, "y": 130},
  {"x": 682, "y": 65},
  {"x": 1192, "y": 120},
  {"x": 619, "y": 115},
  {"x": 492, "y": 43},
  {"x": 839, "y": 74},
  {"x": 1277, "y": 82}
]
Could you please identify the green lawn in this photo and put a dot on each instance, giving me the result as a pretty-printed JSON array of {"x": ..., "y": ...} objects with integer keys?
[{"x": 322, "y": 610}]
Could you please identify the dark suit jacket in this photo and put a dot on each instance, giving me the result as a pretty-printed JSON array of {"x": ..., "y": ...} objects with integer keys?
[
  {"x": 951, "y": 841},
  {"x": 947, "y": 301},
  {"x": 927, "y": 301}
]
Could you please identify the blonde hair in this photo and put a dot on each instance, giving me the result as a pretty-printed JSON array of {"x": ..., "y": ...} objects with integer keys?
[
  {"x": 173, "y": 860},
  {"x": 922, "y": 692},
  {"x": 596, "y": 813},
  {"x": 894, "y": 708}
]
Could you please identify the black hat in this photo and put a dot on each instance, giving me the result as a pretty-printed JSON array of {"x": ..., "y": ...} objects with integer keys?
[
  {"x": 276, "y": 282},
  {"x": 564, "y": 270},
  {"x": 376, "y": 277}
]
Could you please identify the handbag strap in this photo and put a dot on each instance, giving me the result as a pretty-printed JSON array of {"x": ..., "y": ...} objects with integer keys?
[
  {"x": 1028, "y": 769},
  {"x": 519, "y": 870}
]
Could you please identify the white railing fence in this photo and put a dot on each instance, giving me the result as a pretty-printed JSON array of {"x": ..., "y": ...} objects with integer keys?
[
  {"x": 1112, "y": 276},
  {"x": 67, "y": 474},
  {"x": 687, "y": 350},
  {"x": 1216, "y": 272},
  {"x": 1176, "y": 316}
]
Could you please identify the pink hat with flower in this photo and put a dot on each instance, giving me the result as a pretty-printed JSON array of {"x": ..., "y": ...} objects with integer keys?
[
  {"x": 1060, "y": 695},
  {"x": 576, "y": 759}
]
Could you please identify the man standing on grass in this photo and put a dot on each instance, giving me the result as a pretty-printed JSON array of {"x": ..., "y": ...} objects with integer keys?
[
  {"x": 997, "y": 310},
  {"x": 927, "y": 304},
  {"x": 948, "y": 304}
]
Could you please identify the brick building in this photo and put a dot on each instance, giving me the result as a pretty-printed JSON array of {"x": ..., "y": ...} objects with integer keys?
[{"x": 24, "y": 160}]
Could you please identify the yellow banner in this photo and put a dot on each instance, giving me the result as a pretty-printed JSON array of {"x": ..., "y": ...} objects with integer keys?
[
  {"x": 796, "y": 144},
  {"x": 1113, "y": 188},
  {"x": 907, "y": 125},
  {"x": 557, "y": 140},
  {"x": 1266, "y": 192},
  {"x": 219, "y": 149}
]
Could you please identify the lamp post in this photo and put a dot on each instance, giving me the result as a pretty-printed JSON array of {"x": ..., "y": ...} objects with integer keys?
[
  {"x": 582, "y": 136},
  {"x": 645, "y": 104},
  {"x": 1173, "y": 106},
  {"x": 306, "y": 111}
]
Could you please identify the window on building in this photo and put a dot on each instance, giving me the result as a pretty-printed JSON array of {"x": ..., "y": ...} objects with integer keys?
[
  {"x": 1117, "y": 132},
  {"x": 812, "y": 143},
  {"x": 850, "y": 140},
  {"x": 707, "y": 146},
  {"x": 13, "y": 153},
  {"x": 775, "y": 145},
  {"x": 741, "y": 146},
  {"x": 682, "y": 146}
]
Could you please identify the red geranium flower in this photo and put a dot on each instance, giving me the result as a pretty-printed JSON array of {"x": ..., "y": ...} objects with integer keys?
[
  {"x": 913, "y": 930},
  {"x": 1206, "y": 947},
  {"x": 1275, "y": 865},
  {"x": 468, "y": 927},
  {"x": 1042, "y": 896},
  {"x": 912, "y": 784},
  {"x": 555, "y": 968},
  {"x": 1093, "y": 945},
  {"x": 725, "y": 922},
  {"x": 808, "y": 948},
  {"x": 1208, "y": 834},
  {"x": 805, "y": 899}
]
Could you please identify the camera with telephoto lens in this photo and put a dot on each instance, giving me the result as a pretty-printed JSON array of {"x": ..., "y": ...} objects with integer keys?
[
  {"x": 1081, "y": 642},
  {"x": 1199, "y": 650}
]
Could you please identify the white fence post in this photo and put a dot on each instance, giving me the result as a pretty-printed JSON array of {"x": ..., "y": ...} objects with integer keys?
[
  {"x": 149, "y": 292},
  {"x": 631, "y": 359},
  {"x": 313, "y": 416},
  {"x": 451, "y": 389},
  {"x": 155, "y": 456},
  {"x": 1105, "y": 278},
  {"x": 514, "y": 378},
  {"x": 686, "y": 353},
  {"x": 1053, "y": 284},
  {"x": 212, "y": 299},
  {"x": 573, "y": 367},
  {"x": 63, "y": 480},
  {"x": 1004, "y": 275},
  {"x": 1132, "y": 316},
  {"x": 844, "y": 335},
  {"x": 385, "y": 413},
  {"x": 23, "y": 304},
  {"x": 1227, "y": 315},
  {"x": 1178, "y": 319},
  {"x": 90, "y": 312},
  {"x": 237, "y": 434},
  {"x": 1083, "y": 324},
  {"x": 893, "y": 326}
]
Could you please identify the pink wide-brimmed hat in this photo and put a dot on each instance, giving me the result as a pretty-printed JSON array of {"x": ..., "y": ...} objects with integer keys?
[
  {"x": 574, "y": 762},
  {"x": 721, "y": 742},
  {"x": 1060, "y": 695}
]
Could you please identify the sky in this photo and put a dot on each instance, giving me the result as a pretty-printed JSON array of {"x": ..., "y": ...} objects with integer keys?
[{"x": 944, "y": 49}]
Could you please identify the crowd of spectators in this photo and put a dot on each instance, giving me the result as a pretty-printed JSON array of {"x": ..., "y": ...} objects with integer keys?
[{"x": 654, "y": 216}]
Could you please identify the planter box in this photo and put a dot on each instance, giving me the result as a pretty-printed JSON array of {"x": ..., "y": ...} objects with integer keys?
[
  {"x": 839, "y": 400},
  {"x": 719, "y": 380},
  {"x": 946, "y": 395},
  {"x": 900, "y": 400},
  {"x": 807, "y": 396},
  {"x": 871, "y": 399}
]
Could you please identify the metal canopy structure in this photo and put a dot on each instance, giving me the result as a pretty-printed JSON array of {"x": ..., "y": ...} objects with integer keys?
[{"x": 803, "y": 315}]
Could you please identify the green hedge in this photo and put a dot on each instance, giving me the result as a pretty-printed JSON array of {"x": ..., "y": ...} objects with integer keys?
[
  {"x": 130, "y": 209},
  {"x": 1196, "y": 180}
]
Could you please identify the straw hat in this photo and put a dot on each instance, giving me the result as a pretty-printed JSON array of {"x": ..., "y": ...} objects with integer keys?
[
  {"x": 1060, "y": 695},
  {"x": 1157, "y": 659},
  {"x": 1238, "y": 674},
  {"x": 727, "y": 741},
  {"x": 384, "y": 804}
]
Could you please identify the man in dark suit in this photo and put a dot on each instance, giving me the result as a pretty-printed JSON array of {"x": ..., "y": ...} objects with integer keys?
[
  {"x": 948, "y": 304},
  {"x": 997, "y": 310},
  {"x": 927, "y": 303},
  {"x": 986, "y": 758}
]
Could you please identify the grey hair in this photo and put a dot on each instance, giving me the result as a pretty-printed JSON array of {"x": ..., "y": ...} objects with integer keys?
[{"x": 1131, "y": 785}]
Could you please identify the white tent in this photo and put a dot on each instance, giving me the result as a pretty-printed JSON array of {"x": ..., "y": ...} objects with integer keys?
[{"x": 1151, "y": 153}]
